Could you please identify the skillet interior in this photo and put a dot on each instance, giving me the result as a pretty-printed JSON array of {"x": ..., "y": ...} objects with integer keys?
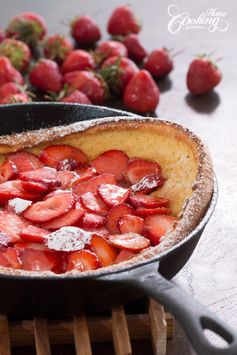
[{"x": 184, "y": 159}]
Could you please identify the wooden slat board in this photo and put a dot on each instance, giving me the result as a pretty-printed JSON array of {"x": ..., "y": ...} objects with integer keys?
[
  {"x": 121, "y": 339},
  {"x": 4, "y": 336},
  {"x": 42, "y": 344},
  {"x": 120, "y": 329},
  {"x": 81, "y": 336}
]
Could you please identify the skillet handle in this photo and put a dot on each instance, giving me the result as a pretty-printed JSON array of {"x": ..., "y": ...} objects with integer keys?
[{"x": 193, "y": 317}]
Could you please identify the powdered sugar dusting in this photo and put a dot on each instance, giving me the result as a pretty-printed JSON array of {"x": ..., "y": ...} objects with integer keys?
[
  {"x": 19, "y": 205},
  {"x": 68, "y": 239}
]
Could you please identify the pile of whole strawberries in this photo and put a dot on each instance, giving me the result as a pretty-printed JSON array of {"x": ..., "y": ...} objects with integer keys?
[
  {"x": 62, "y": 212},
  {"x": 87, "y": 72}
]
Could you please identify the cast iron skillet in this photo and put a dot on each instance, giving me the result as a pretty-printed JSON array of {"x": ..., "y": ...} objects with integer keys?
[{"x": 22, "y": 296}]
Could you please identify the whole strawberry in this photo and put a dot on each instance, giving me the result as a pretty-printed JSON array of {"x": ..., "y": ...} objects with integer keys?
[
  {"x": 10, "y": 89},
  {"x": 46, "y": 76},
  {"x": 76, "y": 97},
  {"x": 15, "y": 98},
  {"x": 203, "y": 75},
  {"x": 28, "y": 27},
  {"x": 141, "y": 94},
  {"x": 89, "y": 83},
  {"x": 2, "y": 34},
  {"x": 78, "y": 60},
  {"x": 123, "y": 21},
  {"x": 159, "y": 63},
  {"x": 85, "y": 30},
  {"x": 8, "y": 73},
  {"x": 110, "y": 49},
  {"x": 117, "y": 72},
  {"x": 135, "y": 50},
  {"x": 57, "y": 47},
  {"x": 17, "y": 51}
]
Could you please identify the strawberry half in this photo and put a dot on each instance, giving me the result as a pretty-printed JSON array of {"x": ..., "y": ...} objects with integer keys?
[
  {"x": 144, "y": 212},
  {"x": 82, "y": 260},
  {"x": 11, "y": 225},
  {"x": 24, "y": 161},
  {"x": 46, "y": 176},
  {"x": 129, "y": 223},
  {"x": 105, "y": 251},
  {"x": 14, "y": 188},
  {"x": 91, "y": 220},
  {"x": 93, "y": 203},
  {"x": 112, "y": 195},
  {"x": 148, "y": 184},
  {"x": 147, "y": 201},
  {"x": 138, "y": 168},
  {"x": 92, "y": 184},
  {"x": 129, "y": 241},
  {"x": 8, "y": 170},
  {"x": 157, "y": 226},
  {"x": 62, "y": 157},
  {"x": 111, "y": 162},
  {"x": 53, "y": 207},
  {"x": 69, "y": 219},
  {"x": 33, "y": 234},
  {"x": 115, "y": 214}
]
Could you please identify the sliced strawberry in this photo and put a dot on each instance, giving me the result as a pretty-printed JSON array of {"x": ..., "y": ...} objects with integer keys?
[
  {"x": 158, "y": 225},
  {"x": 3, "y": 260},
  {"x": 85, "y": 173},
  {"x": 105, "y": 252},
  {"x": 112, "y": 195},
  {"x": 14, "y": 188},
  {"x": 33, "y": 234},
  {"x": 11, "y": 225},
  {"x": 53, "y": 207},
  {"x": 13, "y": 258},
  {"x": 103, "y": 232},
  {"x": 144, "y": 212},
  {"x": 92, "y": 184},
  {"x": 56, "y": 193},
  {"x": 8, "y": 171},
  {"x": 138, "y": 168},
  {"x": 68, "y": 239},
  {"x": 69, "y": 219},
  {"x": 32, "y": 186},
  {"x": 91, "y": 220},
  {"x": 111, "y": 162},
  {"x": 115, "y": 214},
  {"x": 124, "y": 255},
  {"x": 46, "y": 176},
  {"x": 67, "y": 178},
  {"x": 18, "y": 205},
  {"x": 129, "y": 223},
  {"x": 129, "y": 241},
  {"x": 21, "y": 246},
  {"x": 93, "y": 203},
  {"x": 39, "y": 260},
  {"x": 147, "y": 201},
  {"x": 62, "y": 157},
  {"x": 148, "y": 183},
  {"x": 82, "y": 260},
  {"x": 24, "y": 161}
]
